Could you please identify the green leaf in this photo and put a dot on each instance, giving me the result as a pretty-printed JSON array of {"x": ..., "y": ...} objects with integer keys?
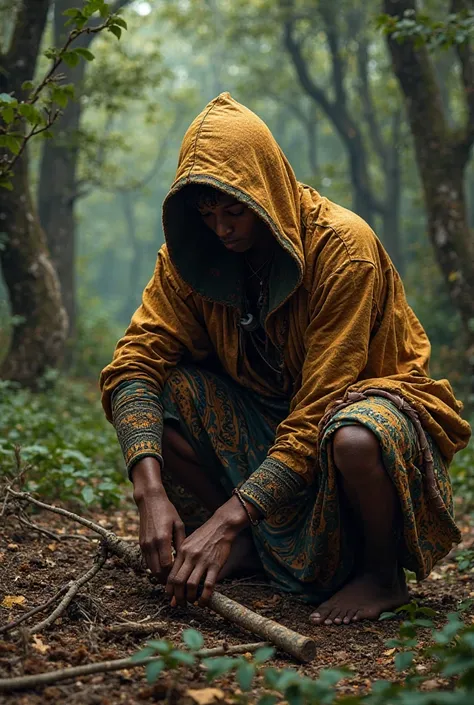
[
  {"x": 193, "y": 639},
  {"x": 154, "y": 669},
  {"x": 162, "y": 647},
  {"x": 263, "y": 654},
  {"x": 120, "y": 22},
  {"x": 71, "y": 58},
  {"x": 88, "y": 495},
  {"x": 387, "y": 615},
  {"x": 115, "y": 30},
  {"x": 6, "y": 184},
  {"x": 27, "y": 85},
  {"x": 85, "y": 53},
  {"x": 217, "y": 666},
  {"x": 8, "y": 114},
  {"x": 7, "y": 98},
  {"x": 143, "y": 653},
  {"x": 30, "y": 113},
  {"x": 14, "y": 143},
  {"x": 404, "y": 660},
  {"x": 182, "y": 657},
  {"x": 245, "y": 675},
  {"x": 59, "y": 96}
]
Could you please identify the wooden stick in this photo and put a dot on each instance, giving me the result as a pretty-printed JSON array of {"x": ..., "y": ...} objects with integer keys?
[
  {"x": 299, "y": 646},
  {"x": 160, "y": 628},
  {"x": 8, "y": 685}
]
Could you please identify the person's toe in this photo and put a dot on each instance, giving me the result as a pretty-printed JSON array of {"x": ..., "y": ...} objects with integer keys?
[
  {"x": 349, "y": 616},
  {"x": 335, "y": 613}
]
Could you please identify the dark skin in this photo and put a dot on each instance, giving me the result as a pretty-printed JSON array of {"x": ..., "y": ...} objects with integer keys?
[{"x": 220, "y": 545}]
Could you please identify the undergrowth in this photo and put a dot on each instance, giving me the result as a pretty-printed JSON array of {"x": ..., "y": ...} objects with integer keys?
[
  {"x": 70, "y": 449},
  {"x": 439, "y": 673}
]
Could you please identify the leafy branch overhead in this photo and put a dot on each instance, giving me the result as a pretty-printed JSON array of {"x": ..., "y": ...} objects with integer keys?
[
  {"x": 21, "y": 120},
  {"x": 455, "y": 30}
]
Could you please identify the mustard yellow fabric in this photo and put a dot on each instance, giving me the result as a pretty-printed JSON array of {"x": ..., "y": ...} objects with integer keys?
[{"x": 337, "y": 307}]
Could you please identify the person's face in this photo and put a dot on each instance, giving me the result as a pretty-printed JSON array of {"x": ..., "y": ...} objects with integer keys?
[{"x": 236, "y": 226}]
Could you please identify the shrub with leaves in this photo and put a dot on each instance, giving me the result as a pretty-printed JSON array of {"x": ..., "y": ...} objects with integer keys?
[
  {"x": 449, "y": 657},
  {"x": 71, "y": 450},
  {"x": 24, "y": 119}
]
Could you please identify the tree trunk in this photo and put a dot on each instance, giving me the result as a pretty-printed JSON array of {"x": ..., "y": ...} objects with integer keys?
[
  {"x": 40, "y": 321},
  {"x": 57, "y": 188},
  {"x": 442, "y": 155}
]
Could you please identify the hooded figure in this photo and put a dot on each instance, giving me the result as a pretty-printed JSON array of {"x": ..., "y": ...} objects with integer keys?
[{"x": 274, "y": 377}]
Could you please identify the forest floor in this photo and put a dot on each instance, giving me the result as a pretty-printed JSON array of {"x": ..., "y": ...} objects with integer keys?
[{"x": 33, "y": 566}]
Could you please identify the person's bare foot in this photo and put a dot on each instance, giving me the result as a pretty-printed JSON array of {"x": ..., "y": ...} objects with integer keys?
[
  {"x": 364, "y": 597},
  {"x": 243, "y": 558}
]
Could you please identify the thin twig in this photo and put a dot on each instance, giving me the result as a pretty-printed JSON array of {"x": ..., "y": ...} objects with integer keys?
[
  {"x": 39, "y": 679},
  {"x": 73, "y": 589},
  {"x": 50, "y": 534},
  {"x": 39, "y": 608}
]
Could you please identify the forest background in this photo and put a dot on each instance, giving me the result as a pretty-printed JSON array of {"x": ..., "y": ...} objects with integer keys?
[{"x": 372, "y": 104}]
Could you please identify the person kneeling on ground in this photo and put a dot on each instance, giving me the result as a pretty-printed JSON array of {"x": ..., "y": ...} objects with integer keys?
[{"x": 271, "y": 394}]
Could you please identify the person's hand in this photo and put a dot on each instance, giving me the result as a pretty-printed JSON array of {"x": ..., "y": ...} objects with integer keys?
[
  {"x": 161, "y": 527},
  {"x": 203, "y": 554}
]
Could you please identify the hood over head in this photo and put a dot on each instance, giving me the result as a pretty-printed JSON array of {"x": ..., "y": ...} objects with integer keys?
[{"x": 228, "y": 147}]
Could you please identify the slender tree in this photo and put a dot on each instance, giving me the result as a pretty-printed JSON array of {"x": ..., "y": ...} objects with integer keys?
[{"x": 40, "y": 321}]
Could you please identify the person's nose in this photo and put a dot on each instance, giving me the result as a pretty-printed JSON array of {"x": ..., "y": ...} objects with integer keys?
[{"x": 223, "y": 227}]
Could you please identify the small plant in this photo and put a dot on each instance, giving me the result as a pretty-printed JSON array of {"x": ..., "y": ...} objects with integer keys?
[
  {"x": 465, "y": 559},
  {"x": 70, "y": 449}
]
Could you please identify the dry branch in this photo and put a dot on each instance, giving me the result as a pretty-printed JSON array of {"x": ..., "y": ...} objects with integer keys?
[
  {"x": 160, "y": 628},
  {"x": 8, "y": 685},
  {"x": 299, "y": 646},
  {"x": 73, "y": 588}
]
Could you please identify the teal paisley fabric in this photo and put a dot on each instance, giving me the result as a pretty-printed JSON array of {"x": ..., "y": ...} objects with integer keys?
[{"x": 308, "y": 546}]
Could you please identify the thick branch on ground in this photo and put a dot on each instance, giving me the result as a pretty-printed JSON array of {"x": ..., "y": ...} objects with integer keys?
[{"x": 8, "y": 685}]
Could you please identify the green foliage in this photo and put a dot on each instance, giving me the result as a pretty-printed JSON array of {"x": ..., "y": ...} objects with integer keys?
[
  {"x": 449, "y": 656},
  {"x": 23, "y": 119},
  {"x": 462, "y": 475},
  {"x": 423, "y": 30},
  {"x": 70, "y": 449}
]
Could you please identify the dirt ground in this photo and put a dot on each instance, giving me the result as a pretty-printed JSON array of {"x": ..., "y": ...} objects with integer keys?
[{"x": 34, "y": 566}]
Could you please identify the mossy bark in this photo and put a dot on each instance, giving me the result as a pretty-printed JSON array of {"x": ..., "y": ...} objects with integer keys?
[{"x": 40, "y": 322}]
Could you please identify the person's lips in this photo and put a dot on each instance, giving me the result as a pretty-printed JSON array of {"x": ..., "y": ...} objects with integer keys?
[{"x": 231, "y": 242}]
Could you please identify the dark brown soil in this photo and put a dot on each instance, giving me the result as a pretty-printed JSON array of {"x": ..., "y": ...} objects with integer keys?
[{"x": 33, "y": 567}]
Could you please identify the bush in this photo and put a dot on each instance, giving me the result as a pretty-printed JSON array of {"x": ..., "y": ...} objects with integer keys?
[{"x": 71, "y": 450}]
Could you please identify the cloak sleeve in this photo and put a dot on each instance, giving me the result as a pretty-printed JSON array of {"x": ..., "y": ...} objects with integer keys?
[
  {"x": 342, "y": 309},
  {"x": 163, "y": 328}
]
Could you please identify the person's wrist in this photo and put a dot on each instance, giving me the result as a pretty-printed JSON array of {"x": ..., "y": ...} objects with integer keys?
[
  {"x": 233, "y": 515},
  {"x": 146, "y": 479}
]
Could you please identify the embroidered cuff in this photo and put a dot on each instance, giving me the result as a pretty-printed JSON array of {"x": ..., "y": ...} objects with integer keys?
[
  {"x": 137, "y": 415},
  {"x": 272, "y": 485}
]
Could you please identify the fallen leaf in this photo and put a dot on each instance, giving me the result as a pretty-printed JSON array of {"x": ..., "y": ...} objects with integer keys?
[
  {"x": 206, "y": 696},
  {"x": 389, "y": 652},
  {"x": 10, "y": 600},
  {"x": 52, "y": 546},
  {"x": 39, "y": 645},
  {"x": 12, "y": 547},
  {"x": 2, "y": 556}
]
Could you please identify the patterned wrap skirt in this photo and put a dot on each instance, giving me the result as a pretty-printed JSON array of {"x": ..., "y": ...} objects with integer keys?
[{"x": 310, "y": 547}]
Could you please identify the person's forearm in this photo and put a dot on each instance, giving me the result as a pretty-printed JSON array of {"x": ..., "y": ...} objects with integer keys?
[{"x": 146, "y": 479}]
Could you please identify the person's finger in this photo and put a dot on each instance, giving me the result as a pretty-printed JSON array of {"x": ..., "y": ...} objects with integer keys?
[
  {"x": 178, "y": 582},
  {"x": 163, "y": 545},
  {"x": 179, "y": 535},
  {"x": 178, "y": 562},
  {"x": 209, "y": 584},
  {"x": 192, "y": 584},
  {"x": 151, "y": 556}
]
